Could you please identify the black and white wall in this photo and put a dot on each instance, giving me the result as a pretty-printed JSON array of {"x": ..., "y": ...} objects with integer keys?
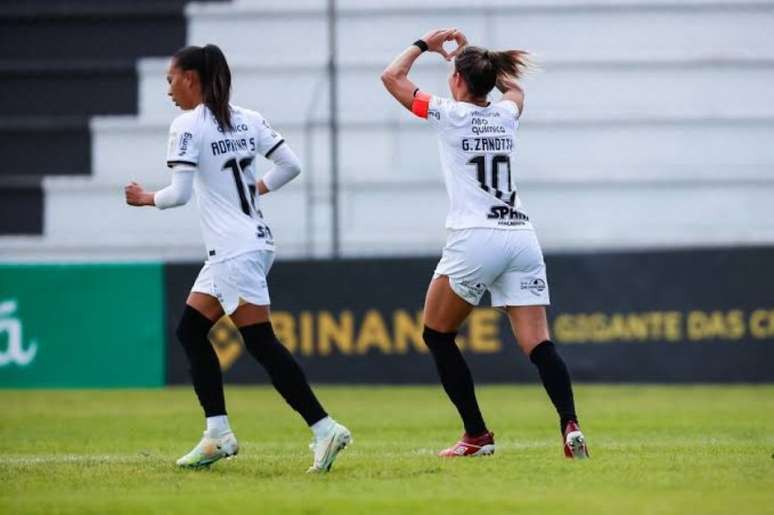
[{"x": 648, "y": 124}]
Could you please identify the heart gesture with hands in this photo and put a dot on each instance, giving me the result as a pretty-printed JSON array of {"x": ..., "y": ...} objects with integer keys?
[{"x": 436, "y": 38}]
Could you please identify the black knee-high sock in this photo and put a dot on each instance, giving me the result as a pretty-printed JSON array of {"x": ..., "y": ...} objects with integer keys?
[
  {"x": 456, "y": 378},
  {"x": 285, "y": 373},
  {"x": 203, "y": 362},
  {"x": 556, "y": 380}
]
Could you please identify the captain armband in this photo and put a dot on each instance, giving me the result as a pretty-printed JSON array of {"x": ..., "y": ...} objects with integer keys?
[{"x": 421, "y": 104}]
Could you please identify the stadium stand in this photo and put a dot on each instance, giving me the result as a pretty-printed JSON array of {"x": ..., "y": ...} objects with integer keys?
[
  {"x": 60, "y": 63},
  {"x": 648, "y": 124}
]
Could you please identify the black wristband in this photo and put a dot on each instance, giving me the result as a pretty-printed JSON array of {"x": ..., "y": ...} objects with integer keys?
[{"x": 421, "y": 45}]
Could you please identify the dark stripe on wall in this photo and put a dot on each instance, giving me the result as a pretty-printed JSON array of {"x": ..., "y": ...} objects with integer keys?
[{"x": 21, "y": 206}]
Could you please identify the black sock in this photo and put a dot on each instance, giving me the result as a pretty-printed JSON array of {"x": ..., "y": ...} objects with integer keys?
[
  {"x": 556, "y": 380},
  {"x": 285, "y": 373},
  {"x": 456, "y": 378},
  {"x": 202, "y": 360}
]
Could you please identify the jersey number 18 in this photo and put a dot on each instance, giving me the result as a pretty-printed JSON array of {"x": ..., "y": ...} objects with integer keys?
[{"x": 237, "y": 167}]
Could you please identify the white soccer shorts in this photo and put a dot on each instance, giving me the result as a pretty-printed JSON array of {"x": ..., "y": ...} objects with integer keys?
[
  {"x": 241, "y": 277},
  {"x": 507, "y": 263}
]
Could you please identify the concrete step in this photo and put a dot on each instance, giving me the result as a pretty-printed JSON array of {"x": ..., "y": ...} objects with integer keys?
[
  {"x": 86, "y": 212},
  {"x": 572, "y": 215},
  {"x": 685, "y": 88},
  {"x": 575, "y": 217},
  {"x": 558, "y": 30},
  {"x": 130, "y": 148},
  {"x": 549, "y": 149}
]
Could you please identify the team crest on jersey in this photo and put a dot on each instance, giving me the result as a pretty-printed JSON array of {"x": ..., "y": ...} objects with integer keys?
[{"x": 273, "y": 132}]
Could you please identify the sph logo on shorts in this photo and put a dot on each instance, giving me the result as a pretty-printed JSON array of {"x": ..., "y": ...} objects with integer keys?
[
  {"x": 15, "y": 353},
  {"x": 537, "y": 286}
]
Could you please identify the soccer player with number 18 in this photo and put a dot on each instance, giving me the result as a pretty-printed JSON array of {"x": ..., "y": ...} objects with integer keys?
[{"x": 212, "y": 151}]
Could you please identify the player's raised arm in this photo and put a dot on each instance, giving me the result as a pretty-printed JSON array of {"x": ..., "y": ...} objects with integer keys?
[{"x": 395, "y": 76}]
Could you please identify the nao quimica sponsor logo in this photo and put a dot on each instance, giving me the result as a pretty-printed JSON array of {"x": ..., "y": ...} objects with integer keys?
[{"x": 15, "y": 352}]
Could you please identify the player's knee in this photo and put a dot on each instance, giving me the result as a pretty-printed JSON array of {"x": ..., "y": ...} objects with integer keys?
[
  {"x": 259, "y": 338},
  {"x": 193, "y": 327},
  {"x": 545, "y": 352},
  {"x": 435, "y": 340}
]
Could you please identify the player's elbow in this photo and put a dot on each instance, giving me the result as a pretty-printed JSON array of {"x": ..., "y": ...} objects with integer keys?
[
  {"x": 390, "y": 78},
  {"x": 294, "y": 170},
  {"x": 182, "y": 198},
  {"x": 170, "y": 201},
  {"x": 171, "y": 197}
]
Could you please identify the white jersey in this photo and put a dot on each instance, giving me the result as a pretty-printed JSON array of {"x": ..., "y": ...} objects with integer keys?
[
  {"x": 225, "y": 180},
  {"x": 477, "y": 145}
]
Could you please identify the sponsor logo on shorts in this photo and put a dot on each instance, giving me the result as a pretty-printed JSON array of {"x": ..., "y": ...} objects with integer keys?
[
  {"x": 537, "y": 286},
  {"x": 475, "y": 289}
]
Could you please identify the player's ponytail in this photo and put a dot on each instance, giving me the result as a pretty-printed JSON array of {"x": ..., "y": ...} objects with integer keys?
[
  {"x": 480, "y": 68},
  {"x": 512, "y": 63},
  {"x": 215, "y": 77}
]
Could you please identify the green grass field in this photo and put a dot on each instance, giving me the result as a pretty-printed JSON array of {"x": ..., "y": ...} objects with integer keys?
[{"x": 659, "y": 450}]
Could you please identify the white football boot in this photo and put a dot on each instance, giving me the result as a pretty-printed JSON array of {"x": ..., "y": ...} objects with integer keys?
[
  {"x": 327, "y": 447},
  {"x": 209, "y": 450}
]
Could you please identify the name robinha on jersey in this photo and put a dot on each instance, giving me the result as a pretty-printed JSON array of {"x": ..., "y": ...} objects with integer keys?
[{"x": 487, "y": 144}]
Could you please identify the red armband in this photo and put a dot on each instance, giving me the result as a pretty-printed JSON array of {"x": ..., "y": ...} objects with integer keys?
[{"x": 421, "y": 104}]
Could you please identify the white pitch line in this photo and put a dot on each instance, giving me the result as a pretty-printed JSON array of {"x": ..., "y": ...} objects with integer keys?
[
  {"x": 108, "y": 459},
  {"x": 42, "y": 459}
]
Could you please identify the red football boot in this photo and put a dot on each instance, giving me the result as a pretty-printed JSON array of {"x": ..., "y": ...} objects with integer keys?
[
  {"x": 482, "y": 445},
  {"x": 574, "y": 442}
]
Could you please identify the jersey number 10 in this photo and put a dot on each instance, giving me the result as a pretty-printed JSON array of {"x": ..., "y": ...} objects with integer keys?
[{"x": 509, "y": 195}]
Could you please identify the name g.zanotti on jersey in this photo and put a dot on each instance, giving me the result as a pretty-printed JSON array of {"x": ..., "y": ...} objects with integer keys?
[{"x": 476, "y": 146}]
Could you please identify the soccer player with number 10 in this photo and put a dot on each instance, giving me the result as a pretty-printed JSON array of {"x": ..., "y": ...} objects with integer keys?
[{"x": 491, "y": 243}]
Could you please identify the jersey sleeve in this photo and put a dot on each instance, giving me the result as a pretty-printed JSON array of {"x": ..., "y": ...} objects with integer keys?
[
  {"x": 268, "y": 139},
  {"x": 432, "y": 108},
  {"x": 511, "y": 107},
  {"x": 183, "y": 147}
]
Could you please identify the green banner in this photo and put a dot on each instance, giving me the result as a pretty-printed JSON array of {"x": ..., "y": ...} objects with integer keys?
[{"x": 81, "y": 325}]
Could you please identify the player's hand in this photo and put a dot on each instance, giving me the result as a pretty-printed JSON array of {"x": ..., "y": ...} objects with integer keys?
[
  {"x": 436, "y": 38},
  {"x": 262, "y": 188},
  {"x": 136, "y": 195},
  {"x": 462, "y": 42}
]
